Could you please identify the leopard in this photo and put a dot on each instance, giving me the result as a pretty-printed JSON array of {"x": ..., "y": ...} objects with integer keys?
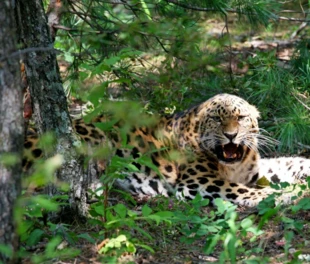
[{"x": 211, "y": 149}]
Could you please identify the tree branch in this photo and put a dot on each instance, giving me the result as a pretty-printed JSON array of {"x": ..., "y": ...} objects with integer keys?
[
  {"x": 229, "y": 10},
  {"x": 20, "y": 53}
]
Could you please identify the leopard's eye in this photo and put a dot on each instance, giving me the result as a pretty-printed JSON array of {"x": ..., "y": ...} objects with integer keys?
[
  {"x": 216, "y": 118},
  {"x": 240, "y": 118}
]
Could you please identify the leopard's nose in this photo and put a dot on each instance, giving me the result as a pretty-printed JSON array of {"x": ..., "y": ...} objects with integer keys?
[{"x": 230, "y": 136}]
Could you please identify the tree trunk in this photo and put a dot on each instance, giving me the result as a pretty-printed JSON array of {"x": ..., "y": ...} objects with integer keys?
[
  {"x": 11, "y": 127},
  {"x": 48, "y": 98}
]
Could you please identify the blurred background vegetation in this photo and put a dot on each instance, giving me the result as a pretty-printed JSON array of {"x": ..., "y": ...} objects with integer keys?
[{"x": 169, "y": 55}]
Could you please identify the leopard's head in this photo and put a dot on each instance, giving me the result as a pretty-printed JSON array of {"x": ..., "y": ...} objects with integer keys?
[{"x": 228, "y": 128}]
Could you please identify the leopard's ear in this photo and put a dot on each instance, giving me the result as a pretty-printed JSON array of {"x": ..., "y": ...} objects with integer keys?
[{"x": 254, "y": 112}]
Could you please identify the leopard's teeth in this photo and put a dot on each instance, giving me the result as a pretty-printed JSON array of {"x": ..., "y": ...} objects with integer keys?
[
  {"x": 224, "y": 154},
  {"x": 234, "y": 156},
  {"x": 237, "y": 145}
]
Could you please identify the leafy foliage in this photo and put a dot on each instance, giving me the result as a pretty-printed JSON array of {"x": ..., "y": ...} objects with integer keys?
[
  {"x": 158, "y": 53},
  {"x": 164, "y": 55}
]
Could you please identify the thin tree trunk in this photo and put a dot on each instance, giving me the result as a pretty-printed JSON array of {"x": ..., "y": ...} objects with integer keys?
[
  {"x": 11, "y": 128},
  {"x": 48, "y": 98}
]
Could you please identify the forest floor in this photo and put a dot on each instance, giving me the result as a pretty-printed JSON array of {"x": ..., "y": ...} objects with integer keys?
[
  {"x": 276, "y": 245},
  {"x": 285, "y": 238}
]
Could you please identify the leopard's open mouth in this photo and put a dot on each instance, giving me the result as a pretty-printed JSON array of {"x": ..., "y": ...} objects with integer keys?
[{"x": 229, "y": 153}]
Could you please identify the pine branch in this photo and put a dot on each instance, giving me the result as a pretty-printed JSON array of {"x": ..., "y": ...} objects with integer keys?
[{"x": 231, "y": 10}]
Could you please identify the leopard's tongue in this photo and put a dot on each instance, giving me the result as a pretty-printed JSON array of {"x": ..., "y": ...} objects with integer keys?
[{"x": 230, "y": 151}]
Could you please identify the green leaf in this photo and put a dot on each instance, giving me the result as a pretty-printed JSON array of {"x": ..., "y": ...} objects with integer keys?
[
  {"x": 51, "y": 165},
  {"x": 6, "y": 250},
  {"x": 211, "y": 243},
  {"x": 303, "y": 204},
  {"x": 146, "y": 247},
  {"x": 146, "y": 210},
  {"x": 121, "y": 210},
  {"x": 130, "y": 247},
  {"x": 114, "y": 243},
  {"x": 52, "y": 244},
  {"x": 143, "y": 232},
  {"x": 106, "y": 126},
  {"x": 43, "y": 202},
  {"x": 87, "y": 237},
  {"x": 97, "y": 92},
  {"x": 121, "y": 80},
  {"x": 132, "y": 214},
  {"x": 34, "y": 237},
  {"x": 24, "y": 227},
  {"x": 132, "y": 168},
  {"x": 155, "y": 218},
  {"x": 99, "y": 209},
  {"x": 102, "y": 67},
  {"x": 221, "y": 205},
  {"x": 112, "y": 60},
  {"x": 163, "y": 216},
  {"x": 246, "y": 223},
  {"x": 8, "y": 159}
]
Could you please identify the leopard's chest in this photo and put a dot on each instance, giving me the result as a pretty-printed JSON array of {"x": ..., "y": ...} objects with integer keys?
[{"x": 246, "y": 172}]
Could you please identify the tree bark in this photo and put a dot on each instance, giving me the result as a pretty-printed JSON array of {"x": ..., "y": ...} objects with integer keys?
[
  {"x": 11, "y": 128},
  {"x": 48, "y": 98}
]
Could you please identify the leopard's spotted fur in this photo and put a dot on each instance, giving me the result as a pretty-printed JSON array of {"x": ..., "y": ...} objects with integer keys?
[{"x": 210, "y": 149}]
